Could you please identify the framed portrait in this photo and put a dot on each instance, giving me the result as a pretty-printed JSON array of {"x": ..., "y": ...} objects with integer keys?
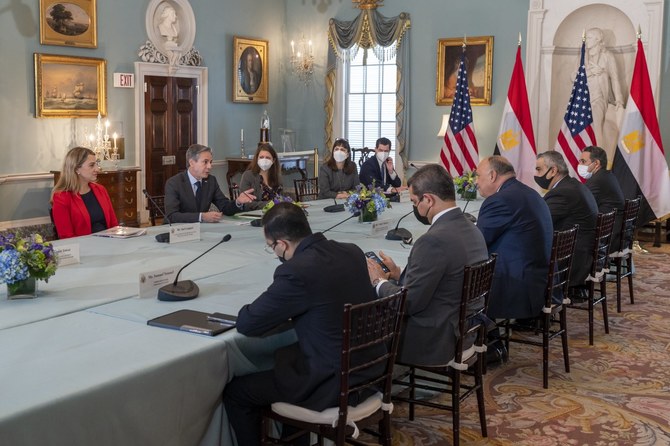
[
  {"x": 70, "y": 87},
  {"x": 69, "y": 23},
  {"x": 479, "y": 64},
  {"x": 250, "y": 70}
]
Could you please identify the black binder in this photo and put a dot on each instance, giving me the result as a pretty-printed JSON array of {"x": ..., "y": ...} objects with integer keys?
[{"x": 195, "y": 322}]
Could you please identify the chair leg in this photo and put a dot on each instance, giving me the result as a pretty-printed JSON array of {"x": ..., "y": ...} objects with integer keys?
[
  {"x": 479, "y": 382},
  {"x": 603, "y": 293},
  {"x": 385, "y": 430},
  {"x": 629, "y": 270},
  {"x": 545, "y": 350},
  {"x": 618, "y": 264},
  {"x": 456, "y": 406},
  {"x": 564, "y": 338},
  {"x": 412, "y": 392},
  {"x": 591, "y": 292}
]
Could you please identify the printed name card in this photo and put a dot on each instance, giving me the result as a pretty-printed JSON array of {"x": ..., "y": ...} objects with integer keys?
[
  {"x": 380, "y": 227},
  {"x": 403, "y": 196},
  {"x": 184, "y": 232},
  {"x": 151, "y": 281},
  {"x": 67, "y": 254}
]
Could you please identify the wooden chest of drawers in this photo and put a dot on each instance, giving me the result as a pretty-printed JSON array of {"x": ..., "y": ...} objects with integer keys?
[{"x": 121, "y": 186}]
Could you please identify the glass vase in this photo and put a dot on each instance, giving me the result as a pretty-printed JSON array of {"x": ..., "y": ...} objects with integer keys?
[
  {"x": 23, "y": 289},
  {"x": 367, "y": 216},
  {"x": 469, "y": 195}
]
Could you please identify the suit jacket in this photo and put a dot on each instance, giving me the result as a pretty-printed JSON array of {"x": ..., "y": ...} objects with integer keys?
[
  {"x": 607, "y": 192},
  {"x": 253, "y": 180},
  {"x": 310, "y": 289},
  {"x": 333, "y": 181},
  {"x": 71, "y": 216},
  {"x": 180, "y": 206},
  {"x": 516, "y": 224},
  {"x": 370, "y": 171},
  {"x": 434, "y": 288},
  {"x": 570, "y": 203}
]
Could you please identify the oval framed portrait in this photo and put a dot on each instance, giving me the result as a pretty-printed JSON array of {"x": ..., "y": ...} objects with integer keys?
[
  {"x": 250, "y": 70},
  {"x": 70, "y": 23}
]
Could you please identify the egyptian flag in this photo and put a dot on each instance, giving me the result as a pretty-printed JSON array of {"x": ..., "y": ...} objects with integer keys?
[
  {"x": 516, "y": 140},
  {"x": 639, "y": 161}
]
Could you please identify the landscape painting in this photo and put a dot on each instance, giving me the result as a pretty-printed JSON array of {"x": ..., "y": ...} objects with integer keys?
[{"x": 71, "y": 23}]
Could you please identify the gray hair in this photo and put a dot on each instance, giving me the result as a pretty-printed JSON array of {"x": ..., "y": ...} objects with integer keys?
[
  {"x": 501, "y": 165},
  {"x": 553, "y": 158},
  {"x": 194, "y": 151}
]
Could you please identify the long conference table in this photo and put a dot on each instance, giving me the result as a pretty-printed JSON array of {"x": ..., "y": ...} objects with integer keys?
[{"x": 80, "y": 366}]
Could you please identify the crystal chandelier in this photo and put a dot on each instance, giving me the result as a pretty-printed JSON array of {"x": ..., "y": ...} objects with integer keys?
[
  {"x": 100, "y": 142},
  {"x": 302, "y": 60},
  {"x": 367, "y": 4}
]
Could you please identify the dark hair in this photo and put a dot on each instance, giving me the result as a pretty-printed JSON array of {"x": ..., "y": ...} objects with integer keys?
[
  {"x": 383, "y": 141},
  {"x": 274, "y": 175},
  {"x": 194, "y": 151},
  {"x": 349, "y": 166},
  {"x": 286, "y": 221},
  {"x": 500, "y": 165},
  {"x": 433, "y": 179},
  {"x": 597, "y": 153},
  {"x": 553, "y": 158}
]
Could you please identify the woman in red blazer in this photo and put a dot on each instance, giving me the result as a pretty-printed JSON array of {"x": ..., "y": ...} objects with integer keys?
[{"x": 80, "y": 206}]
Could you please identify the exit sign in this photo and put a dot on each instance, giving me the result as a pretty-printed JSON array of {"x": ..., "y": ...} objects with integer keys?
[{"x": 124, "y": 80}]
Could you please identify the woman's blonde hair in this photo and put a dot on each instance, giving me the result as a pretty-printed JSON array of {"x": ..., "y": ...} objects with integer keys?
[{"x": 69, "y": 180}]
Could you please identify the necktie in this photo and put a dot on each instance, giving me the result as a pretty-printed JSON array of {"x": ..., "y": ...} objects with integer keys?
[{"x": 198, "y": 194}]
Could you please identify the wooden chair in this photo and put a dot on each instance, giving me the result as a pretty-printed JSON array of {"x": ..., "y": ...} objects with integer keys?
[
  {"x": 359, "y": 156},
  {"x": 307, "y": 189},
  {"x": 156, "y": 208},
  {"x": 53, "y": 223},
  {"x": 601, "y": 246},
  {"x": 369, "y": 327},
  {"x": 621, "y": 259},
  {"x": 467, "y": 361},
  {"x": 554, "y": 310},
  {"x": 234, "y": 190}
]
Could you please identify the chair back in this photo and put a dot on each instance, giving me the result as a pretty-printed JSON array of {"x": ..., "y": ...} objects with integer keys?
[
  {"x": 475, "y": 296},
  {"x": 359, "y": 156},
  {"x": 306, "y": 189},
  {"x": 601, "y": 247},
  {"x": 53, "y": 223},
  {"x": 370, "y": 330},
  {"x": 629, "y": 223},
  {"x": 234, "y": 190},
  {"x": 560, "y": 264},
  {"x": 156, "y": 207}
]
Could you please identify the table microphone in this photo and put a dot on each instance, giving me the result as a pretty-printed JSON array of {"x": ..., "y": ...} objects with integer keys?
[
  {"x": 334, "y": 207},
  {"x": 399, "y": 233},
  {"x": 185, "y": 289},
  {"x": 163, "y": 237},
  {"x": 355, "y": 214}
]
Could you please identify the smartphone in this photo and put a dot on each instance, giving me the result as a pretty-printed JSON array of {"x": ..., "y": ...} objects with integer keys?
[
  {"x": 374, "y": 257},
  {"x": 221, "y": 318}
]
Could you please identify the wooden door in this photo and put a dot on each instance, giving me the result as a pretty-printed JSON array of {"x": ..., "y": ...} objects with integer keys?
[{"x": 170, "y": 127}]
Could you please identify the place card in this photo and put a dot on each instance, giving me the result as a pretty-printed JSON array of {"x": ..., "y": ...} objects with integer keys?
[
  {"x": 151, "y": 281},
  {"x": 403, "y": 196},
  {"x": 184, "y": 232},
  {"x": 379, "y": 227},
  {"x": 67, "y": 254}
]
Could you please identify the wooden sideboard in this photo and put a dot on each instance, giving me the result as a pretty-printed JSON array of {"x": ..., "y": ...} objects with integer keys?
[{"x": 121, "y": 186}]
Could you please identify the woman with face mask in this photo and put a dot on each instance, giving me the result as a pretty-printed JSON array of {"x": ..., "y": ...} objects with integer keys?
[
  {"x": 263, "y": 174},
  {"x": 338, "y": 174}
]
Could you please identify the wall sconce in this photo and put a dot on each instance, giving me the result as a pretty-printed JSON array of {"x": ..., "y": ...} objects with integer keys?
[{"x": 302, "y": 60}]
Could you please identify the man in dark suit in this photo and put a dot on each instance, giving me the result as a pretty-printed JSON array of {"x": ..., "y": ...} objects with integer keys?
[
  {"x": 603, "y": 185},
  {"x": 570, "y": 203},
  {"x": 379, "y": 169},
  {"x": 316, "y": 278},
  {"x": 189, "y": 194},
  {"x": 434, "y": 273},
  {"x": 516, "y": 224}
]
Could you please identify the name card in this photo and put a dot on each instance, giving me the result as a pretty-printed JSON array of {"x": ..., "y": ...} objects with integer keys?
[
  {"x": 151, "y": 281},
  {"x": 380, "y": 227},
  {"x": 185, "y": 232},
  {"x": 67, "y": 254},
  {"x": 403, "y": 196}
]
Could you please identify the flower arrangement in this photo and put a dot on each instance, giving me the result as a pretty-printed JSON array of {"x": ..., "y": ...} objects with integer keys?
[
  {"x": 367, "y": 200},
  {"x": 279, "y": 199},
  {"x": 466, "y": 185},
  {"x": 23, "y": 258}
]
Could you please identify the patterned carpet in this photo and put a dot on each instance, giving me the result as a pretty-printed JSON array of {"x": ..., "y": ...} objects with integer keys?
[{"x": 618, "y": 391}]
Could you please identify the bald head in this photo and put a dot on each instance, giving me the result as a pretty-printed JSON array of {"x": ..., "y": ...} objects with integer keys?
[{"x": 492, "y": 172}]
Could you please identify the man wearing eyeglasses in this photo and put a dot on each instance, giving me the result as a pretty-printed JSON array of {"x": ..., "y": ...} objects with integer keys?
[{"x": 379, "y": 169}]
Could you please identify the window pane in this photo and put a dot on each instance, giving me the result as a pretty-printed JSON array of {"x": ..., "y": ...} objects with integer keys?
[
  {"x": 372, "y": 79},
  {"x": 356, "y": 79},
  {"x": 390, "y": 74},
  {"x": 355, "y": 134},
  {"x": 371, "y": 107},
  {"x": 388, "y": 107},
  {"x": 371, "y": 130},
  {"x": 355, "y": 107}
]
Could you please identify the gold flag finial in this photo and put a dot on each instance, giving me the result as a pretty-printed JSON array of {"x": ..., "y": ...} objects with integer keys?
[{"x": 367, "y": 4}]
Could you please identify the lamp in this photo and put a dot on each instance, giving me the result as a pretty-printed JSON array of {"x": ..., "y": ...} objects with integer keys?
[
  {"x": 302, "y": 59},
  {"x": 105, "y": 148},
  {"x": 445, "y": 125}
]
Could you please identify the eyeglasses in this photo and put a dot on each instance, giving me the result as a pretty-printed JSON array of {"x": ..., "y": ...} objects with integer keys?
[{"x": 270, "y": 249}]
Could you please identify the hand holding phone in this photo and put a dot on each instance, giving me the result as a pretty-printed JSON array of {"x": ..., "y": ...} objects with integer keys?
[{"x": 374, "y": 257}]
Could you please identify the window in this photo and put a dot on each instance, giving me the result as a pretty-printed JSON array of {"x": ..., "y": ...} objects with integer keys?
[{"x": 370, "y": 100}]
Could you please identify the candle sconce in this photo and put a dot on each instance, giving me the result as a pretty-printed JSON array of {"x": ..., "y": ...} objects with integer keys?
[{"x": 104, "y": 144}]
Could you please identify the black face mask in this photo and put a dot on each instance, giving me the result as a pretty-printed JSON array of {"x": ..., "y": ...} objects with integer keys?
[
  {"x": 422, "y": 218},
  {"x": 281, "y": 258},
  {"x": 543, "y": 181}
]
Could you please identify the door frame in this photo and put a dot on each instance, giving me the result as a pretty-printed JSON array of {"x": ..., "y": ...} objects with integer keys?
[{"x": 143, "y": 69}]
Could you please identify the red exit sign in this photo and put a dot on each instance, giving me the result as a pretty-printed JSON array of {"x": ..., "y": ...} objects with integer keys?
[{"x": 124, "y": 80}]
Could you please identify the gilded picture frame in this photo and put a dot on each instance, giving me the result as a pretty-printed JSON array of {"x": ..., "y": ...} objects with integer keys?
[
  {"x": 70, "y": 87},
  {"x": 479, "y": 62},
  {"x": 69, "y": 23},
  {"x": 250, "y": 70}
]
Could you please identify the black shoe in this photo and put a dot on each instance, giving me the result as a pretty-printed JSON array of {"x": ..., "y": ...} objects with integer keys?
[
  {"x": 579, "y": 295},
  {"x": 496, "y": 353}
]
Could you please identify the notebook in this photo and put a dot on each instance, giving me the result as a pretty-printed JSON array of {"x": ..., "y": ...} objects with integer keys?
[{"x": 195, "y": 322}]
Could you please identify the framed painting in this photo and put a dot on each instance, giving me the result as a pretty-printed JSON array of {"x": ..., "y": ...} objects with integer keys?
[
  {"x": 69, "y": 23},
  {"x": 479, "y": 65},
  {"x": 70, "y": 87},
  {"x": 250, "y": 70}
]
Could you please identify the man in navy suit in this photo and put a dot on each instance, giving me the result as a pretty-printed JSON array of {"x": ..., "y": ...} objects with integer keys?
[
  {"x": 316, "y": 278},
  {"x": 516, "y": 224},
  {"x": 379, "y": 169},
  {"x": 189, "y": 194}
]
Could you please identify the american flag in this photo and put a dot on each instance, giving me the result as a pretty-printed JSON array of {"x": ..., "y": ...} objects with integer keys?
[
  {"x": 461, "y": 145},
  {"x": 576, "y": 131}
]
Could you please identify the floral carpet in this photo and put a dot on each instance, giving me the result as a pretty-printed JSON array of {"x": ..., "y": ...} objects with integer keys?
[{"x": 618, "y": 391}]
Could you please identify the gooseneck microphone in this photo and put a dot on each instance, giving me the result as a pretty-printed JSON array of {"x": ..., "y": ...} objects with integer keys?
[
  {"x": 355, "y": 214},
  {"x": 163, "y": 237},
  {"x": 337, "y": 207},
  {"x": 470, "y": 217},
  {"x": 185, "y": 289},
  {"x": 400, "y": 233}
]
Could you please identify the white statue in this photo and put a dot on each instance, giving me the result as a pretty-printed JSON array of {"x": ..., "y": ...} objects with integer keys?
[{"x": 169, "y": 26}]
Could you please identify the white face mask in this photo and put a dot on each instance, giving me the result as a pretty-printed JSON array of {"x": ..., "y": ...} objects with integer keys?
[
  {"x": 583, "y": 171},
  {"x": 381, "y": 156},
  {"x": 264, "y": 163},
  {"x": 340, "y": 156}
]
